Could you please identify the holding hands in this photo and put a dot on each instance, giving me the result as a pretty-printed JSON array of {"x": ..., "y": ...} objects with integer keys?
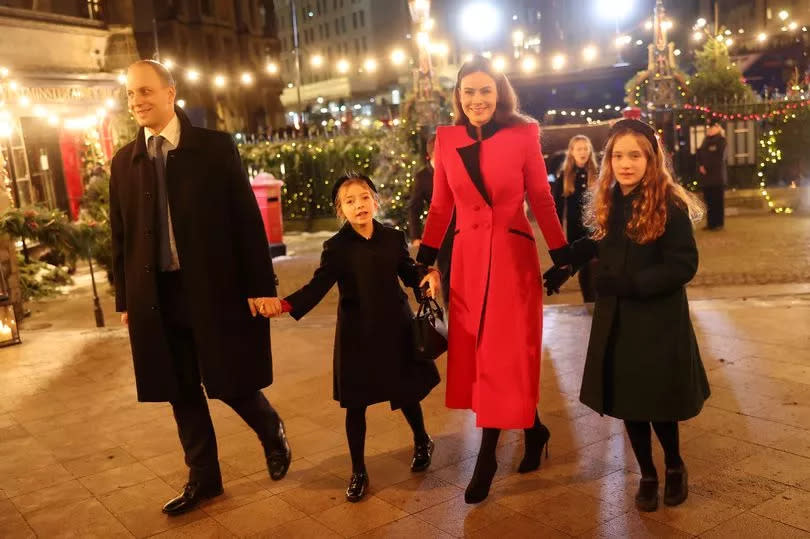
[
  {"x": 267, "y": 307},
  {"x": 555, "y": 277}
]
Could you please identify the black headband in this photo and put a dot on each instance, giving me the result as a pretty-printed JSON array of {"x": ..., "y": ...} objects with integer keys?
[
  {"x": 639, "y": 127},
  {"x": 343, "y": 179}
]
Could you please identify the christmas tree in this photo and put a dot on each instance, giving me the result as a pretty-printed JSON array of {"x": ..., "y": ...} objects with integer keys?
[{"x": 717, "y": 79}]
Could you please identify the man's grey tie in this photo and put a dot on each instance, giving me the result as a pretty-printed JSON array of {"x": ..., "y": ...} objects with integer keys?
[{"x": 164, "y": 247}]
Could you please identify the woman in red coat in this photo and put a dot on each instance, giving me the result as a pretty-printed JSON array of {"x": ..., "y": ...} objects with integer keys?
[{"x": 485, "y": 167}]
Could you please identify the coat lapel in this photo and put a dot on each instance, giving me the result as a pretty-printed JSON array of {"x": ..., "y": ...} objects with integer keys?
[{"x": 471, "y": 157}]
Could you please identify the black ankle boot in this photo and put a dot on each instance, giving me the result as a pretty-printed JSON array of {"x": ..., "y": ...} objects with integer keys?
[
  {"x": 357, "y": 486},
  {"x": 478, "y": 489},
  {"x": 422, "y": 455},
  {"x": 536, "y": 439},
  {"x": 676, "y": 486},
  {"x": 647, "y": 495}
]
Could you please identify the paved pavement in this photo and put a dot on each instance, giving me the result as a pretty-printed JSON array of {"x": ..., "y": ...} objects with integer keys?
[{"x": 79, "y": 457}]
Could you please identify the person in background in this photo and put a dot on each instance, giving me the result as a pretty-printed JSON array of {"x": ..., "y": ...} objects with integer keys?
[{"x": 711, "y": 161}]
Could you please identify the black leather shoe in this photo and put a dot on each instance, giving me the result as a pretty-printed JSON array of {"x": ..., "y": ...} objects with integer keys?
[
  {"x": 422, "y": 455},
  {"x": 193, "y": 493},
  {"x": 279, "y": 458},
  {"x": 676, "y": 487},
  {"x": 357, "y": 487},
  {"x": 647, "y": 495}
]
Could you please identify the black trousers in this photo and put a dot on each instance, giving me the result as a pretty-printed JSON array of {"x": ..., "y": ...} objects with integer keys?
[
  {"x": 715, "y": 205},
  {"x": 190, "y": 409}
]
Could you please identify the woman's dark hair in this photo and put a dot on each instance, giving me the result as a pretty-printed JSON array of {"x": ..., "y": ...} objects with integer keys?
[{"x": 507, "y": 109}]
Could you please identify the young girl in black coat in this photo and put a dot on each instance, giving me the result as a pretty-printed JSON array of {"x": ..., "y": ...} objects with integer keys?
[
  {"x": 578, "y": 174},
  {"x": 373, "y": 358},
  {"x": 643, "y": 365}
]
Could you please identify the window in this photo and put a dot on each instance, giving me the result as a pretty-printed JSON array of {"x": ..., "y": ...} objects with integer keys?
[
  {"x": 320, "y": 31},
  {"x": 337, "y": 27},
  {"x": 363, "y": 19},
  {"x": 343, "y": 23},
  {"x": 207, "y": 7},
  {"x": 334, "y": 5},
  {"x": 354, "y": 20},
  {"x": 326, "y": 30},
  {"x": 356, "y": 47},
  {"x": 211, "y": 46},
  {"x": 365, "y": 47}
]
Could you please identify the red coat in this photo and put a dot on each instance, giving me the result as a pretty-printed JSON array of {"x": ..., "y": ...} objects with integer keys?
[{"x": 493, "y": 364}]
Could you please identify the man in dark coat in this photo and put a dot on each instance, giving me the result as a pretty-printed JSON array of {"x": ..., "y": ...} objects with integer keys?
[
  {"x": 192, "y": 265},
  {"x": 711, "y": 160},
  {"x": 421, "y": 195}
]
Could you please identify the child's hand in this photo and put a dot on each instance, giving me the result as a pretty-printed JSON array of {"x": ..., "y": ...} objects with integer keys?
[
  {"x": 269, "y": 307},
  {"x": 434, "y": 283}
]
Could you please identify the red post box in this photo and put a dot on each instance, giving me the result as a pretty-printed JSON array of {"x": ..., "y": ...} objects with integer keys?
[{"x": 267, "y": 190}]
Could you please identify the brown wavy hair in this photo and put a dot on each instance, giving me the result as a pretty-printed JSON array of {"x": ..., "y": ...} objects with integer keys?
[
  {"x": 507, "y": 107},
  {"x": 570, "y": 164},
  {"x": 657, "y": 189}
]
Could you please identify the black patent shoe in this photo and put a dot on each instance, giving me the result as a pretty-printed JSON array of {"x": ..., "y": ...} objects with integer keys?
[
  {"x": 193, "y": 493},
  {"x": 422, "y": 455},
  {"x": 478, "y": 489},
  {"x": 536, "y": 441},
  {"x": 676, "y": 486},
  {"x": 357, "y": 487},
  {"x": 279, "y": 458},
  {"x": 647, "y": 495}
]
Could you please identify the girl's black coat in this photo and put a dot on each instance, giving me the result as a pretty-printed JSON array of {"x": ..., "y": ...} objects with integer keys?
[
  {"x": 373, "y": 357},
  {"x": 643, "y": 362}
]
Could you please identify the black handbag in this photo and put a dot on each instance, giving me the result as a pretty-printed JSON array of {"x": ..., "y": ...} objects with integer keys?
[{"x": 429, "y": 329}]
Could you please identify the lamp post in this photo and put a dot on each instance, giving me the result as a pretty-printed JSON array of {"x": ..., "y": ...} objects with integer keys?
[{"x": 427, "y": 106}]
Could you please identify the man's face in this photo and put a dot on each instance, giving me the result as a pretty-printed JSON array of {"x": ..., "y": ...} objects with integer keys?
[{"x": 149, "y": 99}]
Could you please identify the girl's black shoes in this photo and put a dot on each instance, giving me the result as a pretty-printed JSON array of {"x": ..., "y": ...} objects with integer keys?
[
  {"x": 676, "y": 487},
  {"x": 478, "y": 489},
  {"x": 422, "y": 455},
  {"x": 536, "y": 439},
  {"x": 357, "y": 487},
  {"x": 647, "y": 495}
]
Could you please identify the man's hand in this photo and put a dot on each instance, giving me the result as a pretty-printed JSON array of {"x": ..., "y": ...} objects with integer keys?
[
  {"x": 434, "y": 282},
  {"x": 125, "y": 318}
]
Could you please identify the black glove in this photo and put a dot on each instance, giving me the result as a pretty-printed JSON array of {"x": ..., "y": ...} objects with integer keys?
[
  {"x": 555, "y": 277},
  {"x": 615, "y": 285}
]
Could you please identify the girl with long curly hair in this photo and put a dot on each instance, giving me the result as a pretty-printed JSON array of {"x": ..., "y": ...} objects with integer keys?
[{"x": 643, "y": 365}]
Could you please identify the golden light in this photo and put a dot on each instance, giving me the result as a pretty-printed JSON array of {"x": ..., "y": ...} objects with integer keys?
[
  {"x": 762, "y": 37},
  {"x": 5, "y": 130},
  {"x": 784, "y": 15},
  {"x": 181, "y": 103},
  {"x": 370, "y": 65},
  {"x": 168, "y": 63},
  {"x": 441, "y": 48},
  {"x": 621, "y": 41},
  {"x": 343, "y": 66},
  {"x": 428, "y": 25},
  {"x": 109, "y": 103},
  {"x": 220, "y": 81},
  {"x": 517, "y": 36},
  {"x": 271, "y": 68},
  {"x": 398, "y": 57},
  {"x": 589, "y": 53},
  {"x": 528, "y": 64},
  {"x": 39, "y": 112},
  {"x": 701, "y": 22},
  {"x": 246, "y": 78},
  {"x": 25, "y": 101},
  {"x": 499, "y": 63},
  {"x": 793, "y": 25},
  {"x": 53, "y": 120},
  {"x": 648, "y": 25},
  {"x": 558, "y": 62},
  {"x": 192, "y": 75},
  {"x": 122, "y": 79},
  {"x": 467, "y": 58},
  {"x": 667, "y": 24},
  {"x": 4, "y": 72},
  {"x": 677, "y": 52},
  {"x": 697, "y": 36},
  {"x": 422, "y": 39},
  {"x": 13, "y": 85},
  {"x": 729, "y": 42},
  {"x": 316, "y": 60}
]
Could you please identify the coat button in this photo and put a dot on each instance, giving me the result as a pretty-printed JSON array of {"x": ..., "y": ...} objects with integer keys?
[
  {"x": 475, "y": 225},
  {"x": 477, "y": 208},
  {"x": 148, "y": 194},
  {"x": 148, "y": 268},
  {"x": 155, "y": 308}
]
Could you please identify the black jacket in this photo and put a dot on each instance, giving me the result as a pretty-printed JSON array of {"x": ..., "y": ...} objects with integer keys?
[
  {"x": 373, "y": 356},
  {"x": 573, "y": 204},
  {"x": 223, "y": 254},
  {"x": 643, "y": 362},
  {"x": 421, "y": 195},
  {"x": 712, "y": 156}
]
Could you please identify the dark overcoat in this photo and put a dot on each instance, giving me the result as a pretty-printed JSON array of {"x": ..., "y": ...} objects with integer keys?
[
  {"x": 224, "y": 258},
  {"x": 712, "y": 156},
  {"x": 643, "y": 362},
  {"x": 373, "y": 356}
]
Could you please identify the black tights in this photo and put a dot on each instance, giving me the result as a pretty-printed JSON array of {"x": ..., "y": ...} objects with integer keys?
[
  {"x": 356, "y": 431},
  {"x": 489, "y": 439},
  {"x": 640, "y": 439}
]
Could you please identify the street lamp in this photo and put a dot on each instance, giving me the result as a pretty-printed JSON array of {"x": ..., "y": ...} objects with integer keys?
[
  {"x": 480, "y": 22},
  {"x": 613, "y": 9},
  {"x": 398, "y": 57},
  {"x": 558, "y": 62},
  {"x": 589, "y": 53}
]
